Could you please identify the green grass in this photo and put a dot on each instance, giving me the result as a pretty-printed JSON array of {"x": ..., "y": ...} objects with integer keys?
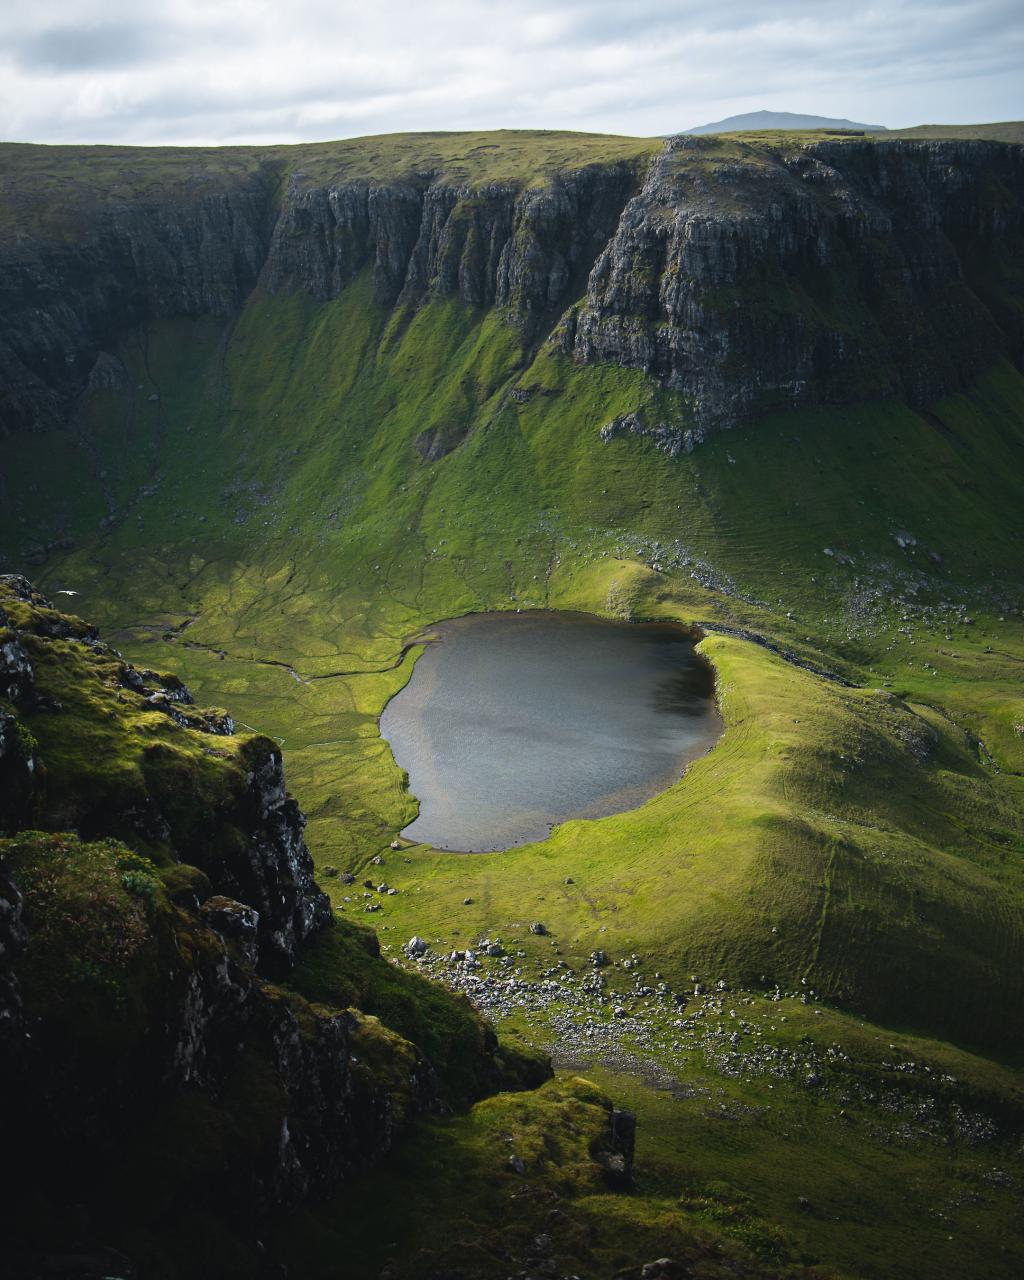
[
  {"x": 1000, "y": 131},
  {"x": 494, "y": 1217},
  {"x": 88, "y": 177},
  {"x": 91, "y": 176},
  {"x": 294, "y": 522}
]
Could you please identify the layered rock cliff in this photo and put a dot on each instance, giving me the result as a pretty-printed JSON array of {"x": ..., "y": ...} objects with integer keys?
[
  {"x": 118, "y": 263},
  {"x": 527, "y": 251},
  {"x": 155, "y": 895},
  {"x": 743, "y": 276},
  {"x": 829, "y": 274}
]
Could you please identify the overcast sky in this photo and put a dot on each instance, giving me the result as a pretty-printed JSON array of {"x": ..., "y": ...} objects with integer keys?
[{"x": 222, "y": 71}]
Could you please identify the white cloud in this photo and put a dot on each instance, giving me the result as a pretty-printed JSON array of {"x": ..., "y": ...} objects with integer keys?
[{"x": 183, "y": 71}]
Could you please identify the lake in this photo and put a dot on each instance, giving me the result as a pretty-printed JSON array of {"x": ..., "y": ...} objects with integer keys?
[{"x": 513, "y": 722}]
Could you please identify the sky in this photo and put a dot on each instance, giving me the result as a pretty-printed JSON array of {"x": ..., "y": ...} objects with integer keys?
[{"x": 242, "y": 71}]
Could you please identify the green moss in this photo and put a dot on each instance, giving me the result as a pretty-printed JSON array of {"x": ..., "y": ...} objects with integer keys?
[
  {"x": 340, "y": 967},
  {"x": 90, "y": 909}
]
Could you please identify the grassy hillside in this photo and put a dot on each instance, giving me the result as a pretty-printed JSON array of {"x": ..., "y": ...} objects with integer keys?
[
  {"x": 277, "y": 515},
  {"x": 1003, "y": 131},
  {"x": 258, "y": 512}
]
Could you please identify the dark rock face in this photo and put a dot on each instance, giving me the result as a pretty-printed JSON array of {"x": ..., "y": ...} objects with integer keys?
[
  {"x": 329, "y": 1122},
  {"x": 832, "y": 274},
  {"x": 288, "y": 1097},
  {"x": 494, "y": 245},
  {"x": 63, "y": 303},
  {"x": 747, "y": 281},
  {"x": 277, "y": 876},
  {"x": 13, "y": 937}
]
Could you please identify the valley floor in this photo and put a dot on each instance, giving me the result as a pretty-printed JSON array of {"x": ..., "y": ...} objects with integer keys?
[{"x": 848, "y": 861}]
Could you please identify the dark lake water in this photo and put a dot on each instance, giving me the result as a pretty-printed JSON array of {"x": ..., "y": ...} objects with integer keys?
[{"x": 513, "y": 722}]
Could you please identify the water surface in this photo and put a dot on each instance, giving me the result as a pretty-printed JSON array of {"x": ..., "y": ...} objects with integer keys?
[{"x": 513, "y": 722}]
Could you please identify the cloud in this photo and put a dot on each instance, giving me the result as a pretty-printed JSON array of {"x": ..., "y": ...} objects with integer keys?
[
  {"x": 192, "y": 71},
  {"x": 70, "y": 49}
]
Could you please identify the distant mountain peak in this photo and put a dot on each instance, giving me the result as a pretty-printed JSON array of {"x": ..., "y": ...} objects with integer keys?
[{"x": 781, "y": 120}]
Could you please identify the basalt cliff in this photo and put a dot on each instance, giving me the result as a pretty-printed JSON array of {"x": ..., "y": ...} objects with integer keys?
[{"x": 744, "y": 276}]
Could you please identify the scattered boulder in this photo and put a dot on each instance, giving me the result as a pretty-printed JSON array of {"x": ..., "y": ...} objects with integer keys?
[
  {"x": 416, "y": 946},
  {"x": 538, "y": 928},
  {"x": 664, "y": 1269}
]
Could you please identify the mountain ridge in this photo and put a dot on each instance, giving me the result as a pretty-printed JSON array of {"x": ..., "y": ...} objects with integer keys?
[{"x": 758, "y": 120}]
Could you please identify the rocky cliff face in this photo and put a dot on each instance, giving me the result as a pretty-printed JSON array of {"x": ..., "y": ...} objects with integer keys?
[
  {"x": 63, "y": 300},
  {"x": 744, "y": 277},
  {"x": 155, "y": 895},
  {"x": 492, "y": 245},
  {"x": 828, "y": 274}
]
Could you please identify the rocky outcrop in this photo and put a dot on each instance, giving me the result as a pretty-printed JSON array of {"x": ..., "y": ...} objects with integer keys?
[
  {"x": 109, "y": 1059},
  {"x": 826, "y": 274},
  {"x": 276, "y": 875},
  {"x": 250, "y": 845},
  {"x": 148, "y": 1030},
  {"x": 526, "y": 251}
]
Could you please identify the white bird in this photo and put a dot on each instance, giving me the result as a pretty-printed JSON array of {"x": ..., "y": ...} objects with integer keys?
[{"x": 63, "y": 591}]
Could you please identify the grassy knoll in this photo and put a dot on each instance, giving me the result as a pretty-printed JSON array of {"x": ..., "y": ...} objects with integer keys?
[{"x": 273, "y": 534}]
